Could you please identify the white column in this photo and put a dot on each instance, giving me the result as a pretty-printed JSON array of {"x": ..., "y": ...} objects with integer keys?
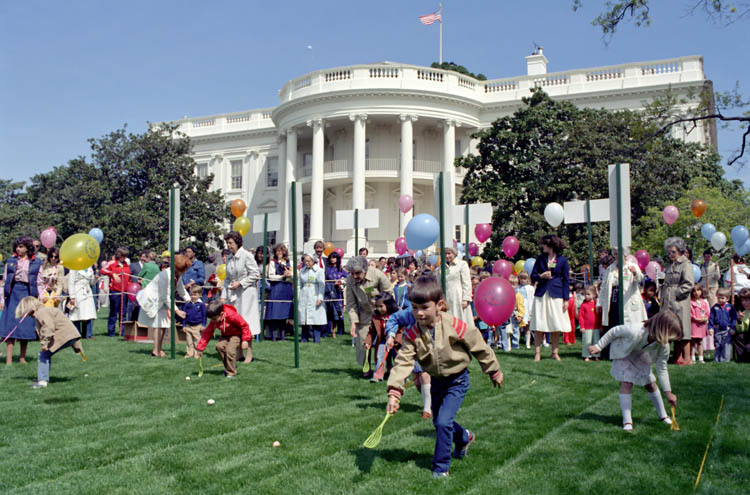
[
  {"x": 316, "y": 190},
  {"x": 281, "y": 188},
  {"x": 250, "y": 179},
  {"x": 407, "y": 164},
  {"x": 449, "y": 156},
  {"x": 358, "y": 172},
  {"x": 291, "y": 168}
]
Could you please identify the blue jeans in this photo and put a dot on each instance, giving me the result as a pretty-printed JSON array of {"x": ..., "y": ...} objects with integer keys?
[
  {"x": 723, "y": 346},
  {"x": 447, "y": 396},
  {"x": 42, "y": 369},
  {"x": 116, "y": 301},
  {"x": 312, "y": 330},
  {"x": 85, "y": 328}
]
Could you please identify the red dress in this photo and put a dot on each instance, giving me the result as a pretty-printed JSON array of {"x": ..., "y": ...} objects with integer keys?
[{"x": 570, "y": 337}]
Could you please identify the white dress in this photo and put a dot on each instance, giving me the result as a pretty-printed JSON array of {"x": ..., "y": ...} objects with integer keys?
[
  {"x": 458, "y": 289},
  {"x": 79, "y": 289},
  {"x": 311, "y": 288},
  {"x": 154, "y": 301},
  {"x": 242, "y": 268}
]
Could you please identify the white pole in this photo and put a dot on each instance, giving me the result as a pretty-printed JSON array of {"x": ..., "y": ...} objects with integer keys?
[{"x": 441, "y": 33}]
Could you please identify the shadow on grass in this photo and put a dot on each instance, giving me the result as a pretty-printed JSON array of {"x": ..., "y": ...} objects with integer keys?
[
  {"x": 589, "y": 416},
  {"x": 429, "y": 433},
  {"x": 61, "y": 400},
  {"x": 381, "y": 405},
  {"x": 366, "y": 457},
  {"x": 354, "y": 373}
]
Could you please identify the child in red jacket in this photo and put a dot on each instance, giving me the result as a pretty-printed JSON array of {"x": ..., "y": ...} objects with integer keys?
[
  {"x": 569, "y": 338},
  {"x": 590, "y": 323},
  {"x": 234, "y": 332}
]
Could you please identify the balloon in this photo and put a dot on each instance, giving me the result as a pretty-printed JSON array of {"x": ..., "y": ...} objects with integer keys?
[
  {"x": 339, "y": 251},
  {"x": 739, "y": 235},
  {"x": 432, "y": 259},
  {"x": 554, "y": 214},
  {"x": 744, "y": 249},
  {"x": 643, "y": 258},
  {"x": 494, "y": 300},
  {"x": 477, "y": 261},
  {"x": 328, "y": 248},
  {"x": 418, "y": 253},
  {"x": 238, "y": 208},
  {"x": 422, "y": 231},
  {"x": 48, "y": 237},
  {"x": 132, "y": 290},
  {"x": 502, "y": 268},
  {"x": 97, "y": 234},
  {"x": 698, "y": 207},
  {"x": 165, "y": 254},
  {"x": 79, "y": 251},
  {"x": 631, "y": 259},
  {"x": 510, "y": 246},
  {"x": 221, "y": 272},
  {"x": 670, "y": 214},
  {"x": 483, "y": 231},
  {"x": 519, "y": 266},
  {"x": 652, "y": 270},
  {"x": 460, "y": 247},
  {"x": 473, "y": 249},
  {"x": 708, "y": 230},
  {"x": 405, "y": 203},
  {"x": 528, "y": 265},
  {"x": 242, "y": 225},
  {"x": 718, "y": 240},
  {"x": 401, "y": 245},
  {"x": 696, "y": 273},
  {"x": 1, "y": 257}
]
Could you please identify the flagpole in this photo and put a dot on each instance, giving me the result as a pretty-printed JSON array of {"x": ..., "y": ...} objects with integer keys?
[{"x": 441, "y": 34}]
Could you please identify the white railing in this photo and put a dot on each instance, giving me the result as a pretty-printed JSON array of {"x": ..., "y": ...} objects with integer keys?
[
  {"x": 302, "y": 83},
  {"x": 651, "y": 69},
  {"x": 236, "y": 119},
  {"x": 204, "y": 123},
  {"x": 427, "y": 166},
  {"x": 496, "y": 86},
  {"x": 552, "y": 80},
  {"x": 254, "y": 119},
  {"x": 430, "y": 75},
  {"x": 378, "y": 72},
  {"x": 338, "y": 75},
  {"x": 383, "y": 164},
  {"x": 466, "y": 83},
  {"x": 604, "y": 75},
  {"x": 336, "y": 166}
]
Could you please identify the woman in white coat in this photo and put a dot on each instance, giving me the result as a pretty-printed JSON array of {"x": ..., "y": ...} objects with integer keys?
[
  {"x": 241, "y": 286},
  {"x": 458, "y": 287},
  {"x": 155, "y": 304},
  {"x": 81, "y": 299},
  {"x": 312, "y": 311}
]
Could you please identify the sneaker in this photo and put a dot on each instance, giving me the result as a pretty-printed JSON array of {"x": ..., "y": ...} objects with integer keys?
[
  {"x": 229, "y": 377},
  {"x": 426, "y": 414},
  {"x": 627, "y": 427},
  {"x": 39, "y": 384},
  {"x": 666, "y": 420},
  {"x": 465, "y": 449},
  {"x": 437, "y": 475}
]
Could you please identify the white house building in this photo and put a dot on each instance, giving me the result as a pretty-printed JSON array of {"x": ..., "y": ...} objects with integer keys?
[{"x": 360, "y": 136}]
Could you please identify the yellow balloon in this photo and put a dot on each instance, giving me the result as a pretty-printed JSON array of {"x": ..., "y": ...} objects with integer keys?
[
  {"x": 519, "y": 266},
  {"x": 242, "y": 225},
  {"x": 79, "y": 251},
  {"x": 221, "y": 272},
  {"x": 165, "y": 254},
  {"x": 477, "y": 261},
  {"x": 1, "y": 257}
]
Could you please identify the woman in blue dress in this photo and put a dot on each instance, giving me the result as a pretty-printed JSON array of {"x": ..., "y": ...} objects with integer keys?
[
  {"x": 21, "y": 280},
  {"x": 334, "y": 295},
  {"x": 279, "y": 309}
]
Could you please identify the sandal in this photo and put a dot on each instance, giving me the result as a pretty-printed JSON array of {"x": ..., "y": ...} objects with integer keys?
[
  {"x": 627, "y": 427},
  {"x": 555, "y": 356}
]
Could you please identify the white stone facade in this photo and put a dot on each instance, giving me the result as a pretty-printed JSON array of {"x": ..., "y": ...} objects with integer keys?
[{"x": 360, "y": 136}]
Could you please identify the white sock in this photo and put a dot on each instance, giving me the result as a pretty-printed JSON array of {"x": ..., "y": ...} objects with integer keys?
[
  {"x": 528, "y": 339},
  {"x": 656, "y": 399},
  {"x": 426, "y": 398},
  {"x": 626, "y": 404}
]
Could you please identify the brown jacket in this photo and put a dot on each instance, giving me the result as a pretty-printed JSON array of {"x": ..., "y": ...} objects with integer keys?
[
  {"x": 54, "y": 328},
  {"x": 359, "y": 296},
  {"x": 675, "y": 292},
  {"x": 448, "y": 354}
]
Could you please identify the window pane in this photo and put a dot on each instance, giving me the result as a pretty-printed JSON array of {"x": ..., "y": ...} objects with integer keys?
[
  {"x": 272, "y": 171},
  {"x": 236, "y": 174},
  {"x": 202, "y": 170},
  {"x": 458, "y": 148},
  {"x": 306, "y": 164}
]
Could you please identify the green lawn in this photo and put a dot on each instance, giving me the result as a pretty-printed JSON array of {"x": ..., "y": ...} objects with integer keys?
[{"x": 126, "y": 422}]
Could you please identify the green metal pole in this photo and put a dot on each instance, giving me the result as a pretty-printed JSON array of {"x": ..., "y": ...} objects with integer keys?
[
  {"x": 620, "y": 257},
  {"x": 442, "y": 235},
  {"x": 172, "y": 288},
  {"x": 356, "y": 232},
  {"x": 263, "y": 278},
  {"x": 294, "y": 273},
  {"x": 591, "y": 242},
  {"x": 466, "y": 246}
]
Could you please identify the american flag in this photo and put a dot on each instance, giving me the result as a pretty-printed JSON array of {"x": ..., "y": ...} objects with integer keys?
[{"x": 430, "y": 18}]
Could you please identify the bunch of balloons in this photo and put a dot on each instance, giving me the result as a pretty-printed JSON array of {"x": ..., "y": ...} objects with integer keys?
[{"x": 242, "y": 223}]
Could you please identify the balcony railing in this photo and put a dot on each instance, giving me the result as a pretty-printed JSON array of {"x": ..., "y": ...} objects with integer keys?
[{"x": 373, "y": 165}]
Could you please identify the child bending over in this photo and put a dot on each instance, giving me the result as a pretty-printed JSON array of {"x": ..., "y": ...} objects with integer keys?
[{"x": 235, "y": 332}]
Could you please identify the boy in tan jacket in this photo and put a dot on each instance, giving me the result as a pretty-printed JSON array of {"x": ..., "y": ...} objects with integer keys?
[{"x": 443, "y": 345}]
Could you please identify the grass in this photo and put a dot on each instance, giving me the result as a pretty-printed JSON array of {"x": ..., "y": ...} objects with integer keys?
[{"x": 126, "y": 422}]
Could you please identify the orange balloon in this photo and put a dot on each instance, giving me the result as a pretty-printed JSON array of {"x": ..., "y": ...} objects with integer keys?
[
  {"x": 238, "y": 208},
  {"x": 698, "y": 207},
  {"x": 329, "y": 248}
]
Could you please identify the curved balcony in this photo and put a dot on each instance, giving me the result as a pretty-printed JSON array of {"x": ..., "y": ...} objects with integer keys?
[{"x": 374, "y": 167}]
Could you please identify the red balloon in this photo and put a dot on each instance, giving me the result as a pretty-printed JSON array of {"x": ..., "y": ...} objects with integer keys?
[
  {"x": 483, "y": 231},
  {"x": 401, "y": 245},
  {"x": 340, "y": 252},
  {"x": 494, "y": 301},
  {"x": 132, "y": 290},
  {"x": 643, "y": 258},
  {"x": 473, "y": 249},
  {"x": 510, "y": 246},
  {"x": 502, "y": 268}
]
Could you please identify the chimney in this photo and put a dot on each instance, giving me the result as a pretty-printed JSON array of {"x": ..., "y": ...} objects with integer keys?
[{"x": 536, "y": 63}]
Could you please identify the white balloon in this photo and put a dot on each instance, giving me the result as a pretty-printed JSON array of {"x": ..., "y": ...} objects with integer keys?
[
  {"x": 718, "y": 240},
  {"x": 554, "y": 214}
]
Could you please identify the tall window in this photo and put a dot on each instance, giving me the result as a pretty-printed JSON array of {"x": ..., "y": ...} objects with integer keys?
[
  {"x": 306, "y": 164},
  {"x": 202, "y": 170},
  {"x": 458, "y": 147},
  {"x": 236, "y": 174},
  {"x": 306, "y": 226},
  {"x": 271, "y": 241},
  {"x": 457, "y": 233},
  {"x": 272, "y": 171}
]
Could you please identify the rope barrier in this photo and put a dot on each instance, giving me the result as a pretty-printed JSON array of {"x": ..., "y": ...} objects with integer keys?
[{"x": 708, "y": 445}]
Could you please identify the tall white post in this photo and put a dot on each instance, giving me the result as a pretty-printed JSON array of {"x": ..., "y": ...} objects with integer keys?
[
  {"x": 407, "y": 164},
  {"x": 290, "y": 167},
  {"x": 449, "y": 156},
  {"x": 358, "y": 170},
  {"x": 281, "y": 187},
  {"x": 316, "y": 193}
]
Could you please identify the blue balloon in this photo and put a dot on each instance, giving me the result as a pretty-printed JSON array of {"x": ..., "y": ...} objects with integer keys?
[
  {"x": 421, "y": 232},
  {"x": 419, "y": 253},
  {"x": 459, "y": 247},
  {"x": 528, "y": 265},
  {"x": 432, "y": 259},
  {"x": 707, "y": 231},
  {"x": 97, "y": 234},
  {"x": 739, "y": 235},
  {"x": 696, "y": 273},
  {"x": 744, "y": 249}
]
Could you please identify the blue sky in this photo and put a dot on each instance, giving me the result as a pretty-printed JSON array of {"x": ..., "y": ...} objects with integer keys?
[{"x": 74, "y": 70}]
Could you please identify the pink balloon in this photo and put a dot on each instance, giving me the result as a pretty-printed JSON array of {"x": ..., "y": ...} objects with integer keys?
[
  {"x": 339, "y": 251},
  {"x": 670, "y": 214},
  {"x": 652, "y": 270},
  {"x": 494, "y": 300},
  {"x": 132, "y": 290},
  {"x": 473, "y": 249},
  {"x": 48, "y": 237},
  {"x": 510, "y": 246},
  {"x": 503, "y": 268},
  {"x": 643, "y": 258},
  {"x": 631, "y": 259},
  {"x": 405, "y": 203},
  {"x": 483, "y": 231},
  {"x": 401, "y": 245}
]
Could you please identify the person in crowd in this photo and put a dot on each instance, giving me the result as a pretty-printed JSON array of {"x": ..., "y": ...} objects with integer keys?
[
  {"x": 81, "y": 301},
  {"x": 334, "y": 295},
  {"x": 635, "y": 348},
  {"x": 362, "y": 285},
  {"x": 605, "y": 259},
  {"x": 311, "y": 310},
  {"x": 510, "y": 333},
  {"x": 737, "y": 278},
  {"x": 319, "y": 258},
  {"x": 55, "y": 331},
  {"x": 569, "y": 338},
  {"x": 196, "y": 274},
  {"x": 364, "y": 252},
  {"x": 458, "y": 291},
  {"x": 391, "y": 265},
  {"x": 39, "y": 251},
  {"x": 385, "y": 306},
  {"x": 722, "y": 324},
  {"x": 710, "y": 276},
  {"x": 549, "y": 310},
  {"x": 135, "y": 273},
  {"x": 741, "y": 338},
  {"x": 210, "y": 267},
  {"x": 411, "y": 267},
  {"x": 588, "y": 320},
  {"x": 699, "y": 313},
  {"x": 53, "y": 276},
  {"x": 235, "y": 333},
  {"x": 22, "y": 278},
  {"x": 382, "y": 263},
  {"x": 650, "y": 302},
  {"x": 279, "y": 308},
  {"x": 675, "y": 294},
  {"x": 195, "y": 318},
  {"x": 262, "y": 258},
  {"x": 401, "y": 289},
  {"x": 154, "y": 300},
  {"x": 118, "y": 272},
  {"x": 527, "y": 292},
  {"x": 241, "y": 286}
]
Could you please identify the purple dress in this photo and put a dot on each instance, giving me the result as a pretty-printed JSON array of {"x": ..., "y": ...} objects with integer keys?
[{"x": 334, "y": 294}]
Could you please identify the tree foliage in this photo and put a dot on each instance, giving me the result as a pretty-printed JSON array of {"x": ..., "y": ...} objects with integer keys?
[
  {"x": 550, "y": 151},
  {"x": 458, "y": 68}
]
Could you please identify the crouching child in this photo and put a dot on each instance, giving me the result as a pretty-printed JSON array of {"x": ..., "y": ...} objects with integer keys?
[{"x": 235, "y": 333}]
